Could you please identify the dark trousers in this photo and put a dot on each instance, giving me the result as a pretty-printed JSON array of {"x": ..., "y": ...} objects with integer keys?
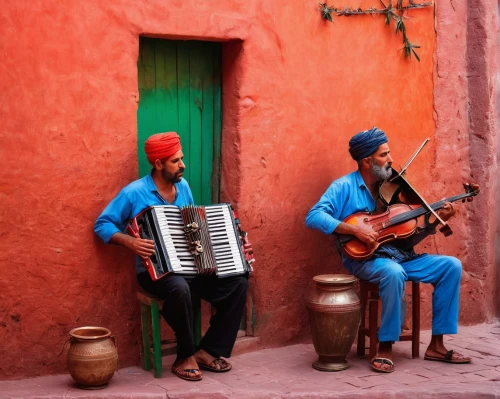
[{"x": 227, "y": 295}]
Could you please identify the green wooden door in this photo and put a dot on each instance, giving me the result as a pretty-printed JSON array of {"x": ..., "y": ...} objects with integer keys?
[{"x": 180, "y": 90}]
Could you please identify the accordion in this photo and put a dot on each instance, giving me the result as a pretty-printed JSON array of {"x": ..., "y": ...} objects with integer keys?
[{"x": 192, "y": 240}]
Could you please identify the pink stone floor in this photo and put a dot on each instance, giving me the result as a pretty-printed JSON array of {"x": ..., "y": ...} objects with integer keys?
[{"x": 287, "y": 373}]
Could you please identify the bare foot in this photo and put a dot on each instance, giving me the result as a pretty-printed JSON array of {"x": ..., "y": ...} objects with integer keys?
[{"x": 187, "y": 369}]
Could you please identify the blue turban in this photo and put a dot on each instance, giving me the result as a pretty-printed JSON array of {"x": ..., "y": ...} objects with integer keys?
[{"x": 365, "y": 143}]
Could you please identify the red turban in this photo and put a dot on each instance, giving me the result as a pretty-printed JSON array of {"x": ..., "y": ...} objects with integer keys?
[{"x": 162, "y": 146}]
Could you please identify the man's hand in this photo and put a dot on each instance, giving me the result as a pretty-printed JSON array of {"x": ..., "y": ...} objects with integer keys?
[
  {"x": 138, "y": 246},
  {"x": 445, "y": 213},
  {"x": 141, "y": 247},
  {"x": 246, "y": 247},
  {"x": 369, "y": 236},
  {"x": 247, "y": 250}
]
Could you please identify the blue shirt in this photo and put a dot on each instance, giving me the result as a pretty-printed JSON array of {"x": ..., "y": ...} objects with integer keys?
[
  {"x": 130, "y": 201},
  {"x": 344, "y": 197},
  {"x": 349, "y": 195}
]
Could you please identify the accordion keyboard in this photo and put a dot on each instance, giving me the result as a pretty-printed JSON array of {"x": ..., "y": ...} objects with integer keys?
[
  {"x": 194, "y": 240},
  {"x": 226, "y": 247},
  {"x": 172, "y": 230}
]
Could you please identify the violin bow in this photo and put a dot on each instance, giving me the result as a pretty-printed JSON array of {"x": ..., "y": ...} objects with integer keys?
[
  {"x": 445, "y": 229},
  {"x": 403, "y": 169}
]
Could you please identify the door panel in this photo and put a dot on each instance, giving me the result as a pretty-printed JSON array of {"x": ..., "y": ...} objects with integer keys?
[{"x": 180, "y": 90}]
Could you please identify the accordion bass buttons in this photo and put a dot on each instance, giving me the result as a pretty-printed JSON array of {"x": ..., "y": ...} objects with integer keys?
[
  {"x": 192, "y": 228},
  {"x": 196, "y": 248}
]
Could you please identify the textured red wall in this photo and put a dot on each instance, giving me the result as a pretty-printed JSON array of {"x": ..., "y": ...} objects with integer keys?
[
  {"x": 465, "y": 144},
  {"x": 295, "y": 89}
]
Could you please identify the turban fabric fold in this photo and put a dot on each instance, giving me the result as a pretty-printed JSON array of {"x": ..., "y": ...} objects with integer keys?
[
  {"x": 365, "y": 143},
  {"x": 162, "y": 146}
]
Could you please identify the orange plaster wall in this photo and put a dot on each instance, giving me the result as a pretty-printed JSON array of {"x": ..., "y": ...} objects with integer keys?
[
  {"x": 327, "y": 83},
  {"x": 296, "y": 88}
]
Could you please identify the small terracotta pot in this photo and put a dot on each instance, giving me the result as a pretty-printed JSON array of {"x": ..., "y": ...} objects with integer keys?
[
  {"x": 334, "y": 315},
  {"x": 92, "y": 357}
]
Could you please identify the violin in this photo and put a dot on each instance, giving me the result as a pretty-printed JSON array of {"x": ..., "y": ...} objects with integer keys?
[
  {"x": 399, "y": 221},
  {"x": 407, "y": 212}
]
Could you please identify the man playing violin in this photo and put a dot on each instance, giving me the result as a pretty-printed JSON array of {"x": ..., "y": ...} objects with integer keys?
[
  {"x": 394, "y": 263},
  {"x": 165, "y": 186}
]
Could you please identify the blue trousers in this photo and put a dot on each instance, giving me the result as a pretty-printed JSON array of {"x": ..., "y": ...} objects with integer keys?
[{"x": 443, "y": 272}]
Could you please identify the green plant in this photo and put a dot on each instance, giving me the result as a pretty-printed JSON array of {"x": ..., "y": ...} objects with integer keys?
[{"x": 397, "y": 13}]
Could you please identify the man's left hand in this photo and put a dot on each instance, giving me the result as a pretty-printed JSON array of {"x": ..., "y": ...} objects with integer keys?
[
  {"x": 447, "y": 211},
  {"x": 247, "y": 247}
]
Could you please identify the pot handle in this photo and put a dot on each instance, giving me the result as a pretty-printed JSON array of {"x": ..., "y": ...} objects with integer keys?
[
  {"x": 116, "y": 346},
  {"x": 62, "y": 350}
]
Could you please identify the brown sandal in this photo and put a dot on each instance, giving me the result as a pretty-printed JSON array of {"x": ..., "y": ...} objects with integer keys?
[
  {"x": 218, "y": 361},
  {"x": 448, "y": 358},
  {"x": 178, "y": 373},
  {"x": 382, "y": 360}
]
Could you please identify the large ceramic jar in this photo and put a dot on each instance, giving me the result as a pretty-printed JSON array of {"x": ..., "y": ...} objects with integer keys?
[
  {"x": 92, "y": 357},
  {"x": 334, "y": 315}
]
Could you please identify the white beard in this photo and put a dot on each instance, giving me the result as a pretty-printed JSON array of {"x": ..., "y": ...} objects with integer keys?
[{"x": 381, "y": 172}]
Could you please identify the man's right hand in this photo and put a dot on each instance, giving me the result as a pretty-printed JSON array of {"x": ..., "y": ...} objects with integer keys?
[
  {"x": 138, "y": 246},
  {"x": 367, "y": 235},
  {"x": 142, "y": 247}
]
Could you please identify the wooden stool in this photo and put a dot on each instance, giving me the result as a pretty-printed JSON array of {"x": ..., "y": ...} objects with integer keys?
[
  {"x": 150, "y": 319},
  {"x": 369, "y": 293}
]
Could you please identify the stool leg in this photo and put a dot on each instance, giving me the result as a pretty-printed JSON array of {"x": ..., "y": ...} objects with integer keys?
[
  {"x": 196, "y": 302},
  {"x": 155, "y": 320},
  {"x": 415, "y": 334},
  {"x": 146, "y": 346},
  {"x": 361, "y": 330},
  {"x": 372, "y": 326}
]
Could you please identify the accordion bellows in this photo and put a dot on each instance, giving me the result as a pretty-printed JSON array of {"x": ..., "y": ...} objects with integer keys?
[{"x": 192, "y": 240}]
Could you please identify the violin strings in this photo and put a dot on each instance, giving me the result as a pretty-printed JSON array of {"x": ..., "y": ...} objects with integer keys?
[
  {"x": 421, "y": 210},
  {"x": 412, "y": 214}
]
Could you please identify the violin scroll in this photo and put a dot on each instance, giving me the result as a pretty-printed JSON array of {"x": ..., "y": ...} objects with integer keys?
[{"x": 472, "y": 189}]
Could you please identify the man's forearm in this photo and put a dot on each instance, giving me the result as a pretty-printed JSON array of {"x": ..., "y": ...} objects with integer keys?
[
  {"x": 344, "y": 228},
  {"x": 121, "y": 239}
]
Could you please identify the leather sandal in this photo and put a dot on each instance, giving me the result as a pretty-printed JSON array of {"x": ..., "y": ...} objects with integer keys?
[
  {"x": 382, "y": 360},
  {"x": 179, "y": 374},
  {"x": 218, "y": 361},
  {"x": 448, "y": 358}
]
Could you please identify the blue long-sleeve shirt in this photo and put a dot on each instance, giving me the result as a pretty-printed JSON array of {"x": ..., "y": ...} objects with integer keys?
[
  {"x": 344, "y": 197},
  {"x": 130, "y": 201},
  {"x": 349, "y": 195}
]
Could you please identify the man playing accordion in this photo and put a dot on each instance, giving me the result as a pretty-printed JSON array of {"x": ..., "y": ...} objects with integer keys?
[{"x": 165, "y": 186}]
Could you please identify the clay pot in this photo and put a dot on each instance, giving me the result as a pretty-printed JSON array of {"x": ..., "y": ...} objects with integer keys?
[
  {"x": 92, "y": 357},
  {"x": 334, "y": 315}
]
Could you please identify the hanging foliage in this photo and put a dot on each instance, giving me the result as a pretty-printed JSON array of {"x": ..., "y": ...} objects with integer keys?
[{"x": 396, "y": 13}]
